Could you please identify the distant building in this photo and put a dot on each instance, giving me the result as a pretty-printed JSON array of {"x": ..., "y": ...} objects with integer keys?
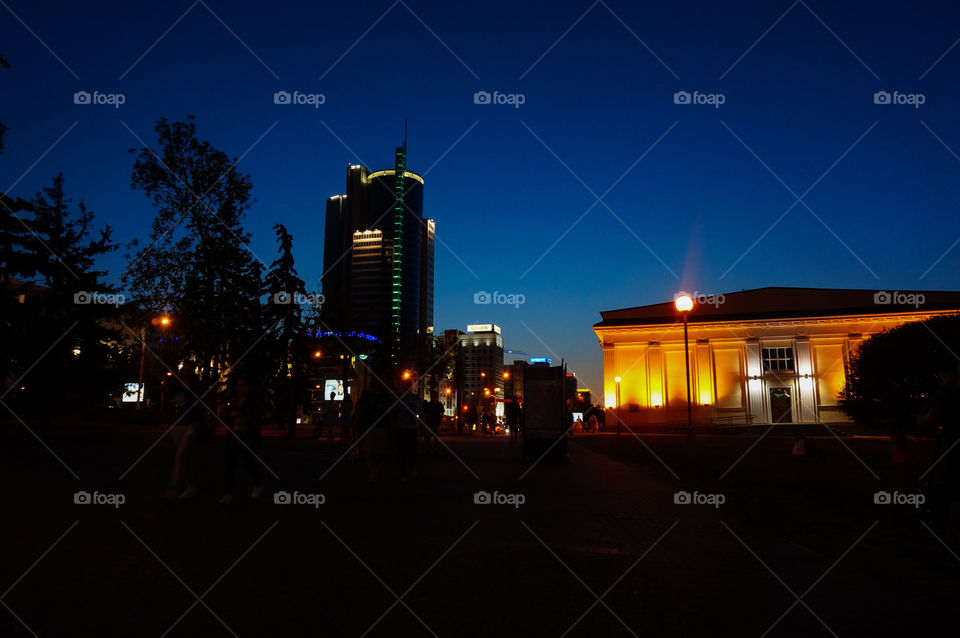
[
  {"x": 482, "y": 351},
  {"x": 378, "y": 260},
  {"x": 769, "y": 355},
  {"x": 513, "y": 379},
  {"x": 570, "y": 387}
]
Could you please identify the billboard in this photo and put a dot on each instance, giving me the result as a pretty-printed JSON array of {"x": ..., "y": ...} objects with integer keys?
[
  {"x": 130, "y": 393},
  {"x": 544, "y": 403},
  {"x": 483, "y": 327},
  {"x": 335, "y": 386}
]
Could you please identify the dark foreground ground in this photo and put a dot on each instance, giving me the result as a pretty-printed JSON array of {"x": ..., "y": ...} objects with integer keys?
[{"x": 598, "y": 547}]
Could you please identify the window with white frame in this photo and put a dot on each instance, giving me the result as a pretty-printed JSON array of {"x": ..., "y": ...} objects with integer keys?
[{"x": 777, "y": 359}]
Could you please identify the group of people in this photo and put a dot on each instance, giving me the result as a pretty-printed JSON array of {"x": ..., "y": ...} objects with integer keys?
[
  {"x": 242, "y": 417},
  {"x": 395, "y": 418},
  {"x": 389, "y": 417},
  {"x": 943, "y": 416}
]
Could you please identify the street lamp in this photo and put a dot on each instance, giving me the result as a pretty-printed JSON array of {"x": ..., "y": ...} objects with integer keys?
[
  {"x": 162, "y": 320},
  {"x": 684, "y": 304},
  {"x": 617, "y": 381}
]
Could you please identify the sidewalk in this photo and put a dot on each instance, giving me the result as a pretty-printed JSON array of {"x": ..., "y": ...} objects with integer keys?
[{"x": 471, "y": 569}]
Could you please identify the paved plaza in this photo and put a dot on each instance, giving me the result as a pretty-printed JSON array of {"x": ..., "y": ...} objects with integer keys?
[{"x": 596, "y": 546}]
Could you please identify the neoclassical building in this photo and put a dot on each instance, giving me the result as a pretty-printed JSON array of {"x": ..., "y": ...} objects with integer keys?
[{"x": 769, "y": 355}]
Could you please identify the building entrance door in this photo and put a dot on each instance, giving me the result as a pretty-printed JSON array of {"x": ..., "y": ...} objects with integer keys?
[{"x": 781, "y": 406}]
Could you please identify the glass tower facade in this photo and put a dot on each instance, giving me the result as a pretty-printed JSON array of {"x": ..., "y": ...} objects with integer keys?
[{"x": 381, "y": 282}]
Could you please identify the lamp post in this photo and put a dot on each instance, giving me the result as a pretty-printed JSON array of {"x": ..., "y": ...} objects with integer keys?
[
  {"x": 617, "y": 381},
  {"x": 684, "y": 304},
  {"x": 163, "y": 321}
]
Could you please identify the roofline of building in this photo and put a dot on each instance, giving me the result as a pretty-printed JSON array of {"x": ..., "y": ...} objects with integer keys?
[
  {"x": 717, "y": 320},
  {"x": 391, "y": 171},
  {"x": 668, "y": 314}
]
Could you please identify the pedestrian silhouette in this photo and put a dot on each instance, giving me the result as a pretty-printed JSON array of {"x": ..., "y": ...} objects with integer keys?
[
  {"x": 186, "y": 430},
  {"x": 243, "y": 420}
]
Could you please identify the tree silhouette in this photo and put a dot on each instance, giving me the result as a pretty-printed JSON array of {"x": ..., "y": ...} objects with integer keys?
[
  {"x": 197, "y": 264},
  {"x": 893, "y": 374},
  {"x": 288, "y": 343},
  {"x": 61, "y": 330}
]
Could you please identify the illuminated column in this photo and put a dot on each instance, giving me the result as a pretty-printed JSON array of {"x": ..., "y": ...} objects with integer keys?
[
  {"x": 806, "y": 393},
  {"x": 609, "y": 372},
  {"x": 654, "y": 365},
  {"x": 756, "y": 400}
]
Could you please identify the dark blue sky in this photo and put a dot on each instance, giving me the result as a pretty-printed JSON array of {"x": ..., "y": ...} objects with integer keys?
[{"x": 505, "y": 183}]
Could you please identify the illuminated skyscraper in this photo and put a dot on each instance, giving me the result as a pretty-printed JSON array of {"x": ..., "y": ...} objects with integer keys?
[{"x": 378, "y": 260}]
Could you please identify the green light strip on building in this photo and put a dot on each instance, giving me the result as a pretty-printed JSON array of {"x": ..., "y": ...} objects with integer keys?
[{"x": 400, "y": 190}]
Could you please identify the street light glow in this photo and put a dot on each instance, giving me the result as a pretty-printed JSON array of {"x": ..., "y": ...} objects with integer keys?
[
  {"x": 683, "y": 302},
  {"x": 617, "y": 379}
]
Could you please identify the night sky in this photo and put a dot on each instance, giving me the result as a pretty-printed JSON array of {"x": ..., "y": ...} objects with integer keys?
[{"x": 694, "y": 196}]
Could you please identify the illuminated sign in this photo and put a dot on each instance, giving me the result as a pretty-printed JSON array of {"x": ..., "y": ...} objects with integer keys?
[
  {"x": 334, "y": 386},
  {"x": 541, "y": 360},
  {"x": 130, "y": 393},
  {"x": 483, "y": 327}
]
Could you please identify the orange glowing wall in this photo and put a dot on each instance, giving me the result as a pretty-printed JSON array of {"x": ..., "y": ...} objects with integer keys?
[
  {"x": 830, "y": 372},
  {"x": 655, "y": 376},
  {"x": 676, "y": 377},
  {"x": 703, "y": 391},
  {"x": 729, "y": 377}
]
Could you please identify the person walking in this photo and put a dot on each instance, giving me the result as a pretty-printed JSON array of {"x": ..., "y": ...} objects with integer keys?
[
  {"x": 184, "y": 434},
  {"x": 432, "y": 420},
  {"x": 346, "y": 419},
  {"x": 511, "y": 410},
  {"x": 243, "y": 420},
  {"x": 409, "y": 418},
  {"x": 331, "y": 416},
  {"x": 373, "y": 419}
]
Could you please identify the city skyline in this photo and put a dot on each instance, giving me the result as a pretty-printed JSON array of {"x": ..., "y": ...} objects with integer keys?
[
  {"x": 544, "y": 294},
  {"x": 802, "y": 176}
]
